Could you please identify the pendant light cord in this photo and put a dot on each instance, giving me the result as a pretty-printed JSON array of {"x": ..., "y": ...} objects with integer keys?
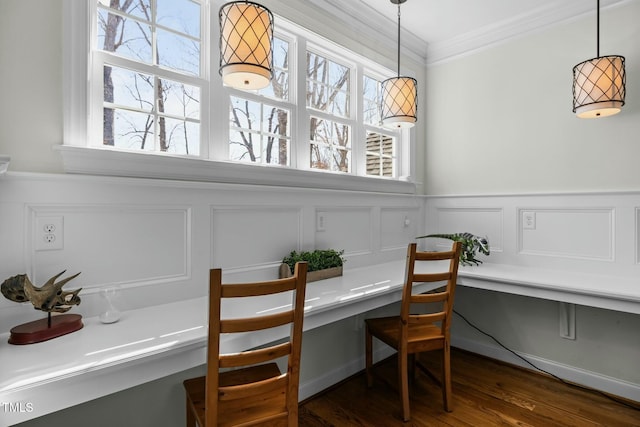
[
  {"x": 399, "y": 38},
  {"x": 597, "y": 30}
]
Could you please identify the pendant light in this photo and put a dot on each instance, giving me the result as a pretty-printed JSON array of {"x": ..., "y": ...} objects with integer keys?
[
  {"x": 399, "y": 104},
  {"x": 246, "y": 40},
  {"x": 599, "y": 83}
]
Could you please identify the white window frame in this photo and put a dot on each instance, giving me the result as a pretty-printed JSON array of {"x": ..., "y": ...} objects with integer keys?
[{"x": 79, "y": 156}]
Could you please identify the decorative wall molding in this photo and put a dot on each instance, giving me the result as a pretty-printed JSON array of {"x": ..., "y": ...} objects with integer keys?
[
  {"x": 157, "y": 239},
  {"x": 247, "y": 238},
  {"x": 482, "y": 221},
  {"x": 348, "y": 228},
  {"x": 397, "y": 226},
  {"x": 581, "y": 233},
  {"x": 118, "y": 245}
]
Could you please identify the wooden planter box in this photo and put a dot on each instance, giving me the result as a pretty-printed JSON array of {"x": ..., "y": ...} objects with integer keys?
[{"x": 313, "y": 276}]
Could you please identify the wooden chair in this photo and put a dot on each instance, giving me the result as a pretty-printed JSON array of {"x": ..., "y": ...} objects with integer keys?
[
  {"x": 410, "y": 333},
  {"x": 249, "y": 391}
]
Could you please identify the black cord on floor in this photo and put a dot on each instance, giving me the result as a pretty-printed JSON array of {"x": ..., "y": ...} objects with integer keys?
[{"x": 621, "y": 402}]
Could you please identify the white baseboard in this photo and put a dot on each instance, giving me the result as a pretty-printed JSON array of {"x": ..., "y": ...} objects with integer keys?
[
  {"x": 572, "y": 374},
  {"x": 614, "y": 386},
  {"x": 320, "y": 383}
]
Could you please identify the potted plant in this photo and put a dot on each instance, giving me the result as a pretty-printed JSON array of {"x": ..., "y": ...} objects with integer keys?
[{"x": 321, "y": 263}]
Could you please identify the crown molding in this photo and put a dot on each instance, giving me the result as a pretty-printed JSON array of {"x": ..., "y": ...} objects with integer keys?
[
  {"x": 519, "y": 25},
  {"x": 360, "y": 17},
  {"x": 364, "y": 19}
]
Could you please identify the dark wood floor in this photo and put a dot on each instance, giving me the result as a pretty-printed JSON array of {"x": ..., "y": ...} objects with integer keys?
[{"x": 486, "y": 393}]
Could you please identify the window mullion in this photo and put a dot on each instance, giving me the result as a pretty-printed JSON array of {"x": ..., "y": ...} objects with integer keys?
[
  {"x": 358, "y": 144},
  {"x": 300, "y": 141}
]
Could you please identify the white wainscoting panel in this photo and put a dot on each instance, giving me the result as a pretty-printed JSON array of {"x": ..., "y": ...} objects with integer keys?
[
  {"x": 249, "y": 236},
  {"x": 111, "y": 245},
  {"x": 348, "y": 228},
  {"x": 585, "y": 233},
  {"x": 573, "y": 233},
  {"x": 155, "y": 240},
  {"x": 485, "y": 222},
  {"x": 397, "y": 226}
]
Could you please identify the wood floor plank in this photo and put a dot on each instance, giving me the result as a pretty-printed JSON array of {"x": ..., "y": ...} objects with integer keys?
[{"x": 486, "y": 392}]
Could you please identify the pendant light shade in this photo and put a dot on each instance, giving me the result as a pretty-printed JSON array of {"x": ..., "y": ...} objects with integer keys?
[
  {"x": 399, "y": 102},
  {"x": 399, "y": 106},
  {"x": 599, "y": 84},
  {"x": 246, "y": 45}
]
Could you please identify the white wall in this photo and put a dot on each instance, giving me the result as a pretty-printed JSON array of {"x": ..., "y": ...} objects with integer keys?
[
  {"x": 513, "y": 132},
  {"x": 594, "y": 237},
  {"x": 500, "y": 121},
  {"x": 31, "y": 83}
]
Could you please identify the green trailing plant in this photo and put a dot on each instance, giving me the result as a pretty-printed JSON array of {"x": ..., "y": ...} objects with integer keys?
[{"x": 319, "y": 259}]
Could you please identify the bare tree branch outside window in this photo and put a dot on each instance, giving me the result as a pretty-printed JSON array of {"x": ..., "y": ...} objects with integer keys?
[{"x": 163, "y": 115}]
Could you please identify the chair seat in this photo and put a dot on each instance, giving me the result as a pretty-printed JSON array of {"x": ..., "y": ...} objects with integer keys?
[
  {"x": 269, "y": 405},
  {"x": 421, "y": 337}
]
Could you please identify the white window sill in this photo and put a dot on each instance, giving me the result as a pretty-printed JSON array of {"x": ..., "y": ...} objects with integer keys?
[{"x": 98, "y": 161}]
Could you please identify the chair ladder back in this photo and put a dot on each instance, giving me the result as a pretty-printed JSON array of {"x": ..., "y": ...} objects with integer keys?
[
  {"x": 238, "y": 290},
  {"x": 445, "y": 297},
  {"x": 257, "y": 323},
  {"x": 253, "y": 357},
  {"x": 217, "y": 392}
]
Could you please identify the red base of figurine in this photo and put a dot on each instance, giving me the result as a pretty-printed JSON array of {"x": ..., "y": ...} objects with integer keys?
[{"x": 40, "y": 330}]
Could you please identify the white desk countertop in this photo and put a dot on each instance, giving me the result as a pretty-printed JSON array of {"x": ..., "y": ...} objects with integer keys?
[{"x": 153, "y": 342}]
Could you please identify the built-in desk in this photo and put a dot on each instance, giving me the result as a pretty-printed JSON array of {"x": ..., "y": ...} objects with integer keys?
[
  {"x": 154, "y": 342},
  {"x": 594, "y": 290}
]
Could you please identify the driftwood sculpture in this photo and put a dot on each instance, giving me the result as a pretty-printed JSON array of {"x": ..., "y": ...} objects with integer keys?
[{"x": 49, "y": 297}]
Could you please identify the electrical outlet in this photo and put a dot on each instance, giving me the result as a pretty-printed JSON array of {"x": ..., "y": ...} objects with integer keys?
[
  {"x": 529, "y": 220},
  {"x": 49, "y": 233}
]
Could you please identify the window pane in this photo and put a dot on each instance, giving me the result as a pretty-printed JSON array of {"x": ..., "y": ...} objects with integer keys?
[
  {"x": 380, "y": 154},
  {"x": 279, "y": 86},
  {"x": 338, "y": 74},
  {"x": 275, "y": 150},
  {"x": 178, "y": 52},
  {"x": 180, "y": 15},
  {"x": 328, "y": 85},
  {"x": 128, "y": 129},
  {"x": 126, "y": 37},
  {"x": 259, "y": 132},
  {"x": 180, "y": 99},
  {"x": 127, "y": 88},
  {"x": 370, "y": 97},
  {"x": 330, "y": 145},
  {"x": 182, "y": 137},
  {"x": 244, "y": 146},
  {"x": 339, "y": 106},
  {"x": 139, "y": 9}
]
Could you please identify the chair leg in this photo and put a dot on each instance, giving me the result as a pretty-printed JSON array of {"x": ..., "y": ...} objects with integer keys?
[
  {"x": 412, "y": 369},
  {"x": 446, "y": 378},
  {"x": 368, "y": 356},
  {"x": 191, "y": 421},
  {"x": 403, "y": 375}
]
